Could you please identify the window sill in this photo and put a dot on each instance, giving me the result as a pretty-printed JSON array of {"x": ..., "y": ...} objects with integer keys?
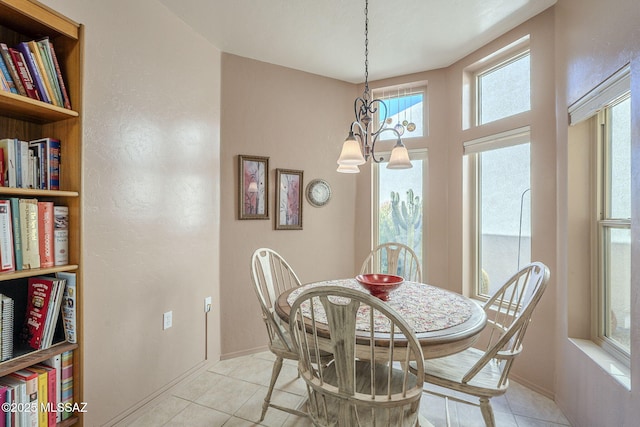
[{"x": 607, "y": 362}]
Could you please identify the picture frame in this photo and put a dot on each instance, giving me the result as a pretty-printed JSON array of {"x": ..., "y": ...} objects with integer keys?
[
  {"x": 289, "y": 199},
  {"x": 253, "y": 187}
]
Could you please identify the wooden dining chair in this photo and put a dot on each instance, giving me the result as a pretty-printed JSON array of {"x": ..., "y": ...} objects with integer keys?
[
  {"x": 485, "y": 373},
  {"x": 271, "y": 276},
  {"x": 367, "y": 386},
  {"x": 393, "y": 258}
]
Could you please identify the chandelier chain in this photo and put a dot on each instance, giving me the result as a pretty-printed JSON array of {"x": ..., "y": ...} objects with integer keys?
[{"x": 366, "y": 46}]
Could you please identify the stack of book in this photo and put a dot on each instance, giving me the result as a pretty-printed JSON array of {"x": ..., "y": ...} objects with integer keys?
[
  {"x": 31, "y": 69},
  {"x": 30, "y": 164},
  {"x": 44, "y": 392},
  {"x": 33, "y": 234},
  {"x": 43, "y": 307}
]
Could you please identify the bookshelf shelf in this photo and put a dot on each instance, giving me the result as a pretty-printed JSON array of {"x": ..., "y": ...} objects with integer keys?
[
  {"x": 28, "y": 192},
  {"x": 28, "y": 119},
  {"x": 31, "y": 358},
  {"x": 18, "y": 106},
  {"x": 21, "y": 274}
]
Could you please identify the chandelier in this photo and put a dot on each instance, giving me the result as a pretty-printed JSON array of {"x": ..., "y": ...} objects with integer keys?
[{"x": 360, "y": 143}]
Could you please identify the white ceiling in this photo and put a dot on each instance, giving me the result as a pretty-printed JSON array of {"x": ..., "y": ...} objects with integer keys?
[{"x": 326, "y": 37}]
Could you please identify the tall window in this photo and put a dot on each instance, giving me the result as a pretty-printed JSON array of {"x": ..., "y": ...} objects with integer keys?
[
  {"x": 501, "y": 209},
  {"x": 399, "y": 204},
  {"x": 498, "y": 169},
  {"x": 614, "y": 226}
]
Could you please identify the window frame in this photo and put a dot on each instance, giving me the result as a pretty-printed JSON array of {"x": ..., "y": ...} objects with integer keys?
[
  {"x": 494, "y": 66},
  {"x": 601, "y": 224}
]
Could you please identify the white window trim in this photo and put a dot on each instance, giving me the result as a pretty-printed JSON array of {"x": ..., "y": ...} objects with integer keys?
[
  {"x": 602, "y": 95},
  {"x": 600, "y": 225}
]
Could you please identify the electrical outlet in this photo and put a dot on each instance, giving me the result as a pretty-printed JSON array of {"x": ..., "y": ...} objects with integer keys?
[
  {"x": 207, "y": 304},
  {"x": 167, "y": 320}
]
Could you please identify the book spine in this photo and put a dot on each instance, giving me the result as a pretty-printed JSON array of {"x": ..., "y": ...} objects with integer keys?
[
  {"x": 4, "y": 50},
  {"x": 24, "y": 163},
  {"x": 9, "y": 150},
  {"x": 17, "y": 240},
  {"x": 45, "y": 54},
  {"x": 53, "y": 171},
  {"x": 29, "y": 233},
  {"x": 42, "y": 69},
  {"x": 69, "y": 306},
  {"x": 45, "y": 233},
  {"x": 67, "y": 382},
  {"x": 7, "y": 307},
  {"x": 7, "y": 76},
  {"x": 63, "y": 88},
  {"x": 33, "y": 70},
  {"x": 23, "y": 72},
  {"x": 7, "y": 262},
  {"x": 61, "y": 235},
  {"x": 55, "y": 362}
]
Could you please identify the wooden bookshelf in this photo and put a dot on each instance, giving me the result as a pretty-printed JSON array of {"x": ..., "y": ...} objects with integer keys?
[{"x": 28, "y": 119}]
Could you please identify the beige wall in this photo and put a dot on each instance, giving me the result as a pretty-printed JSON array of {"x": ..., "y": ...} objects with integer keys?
[
  {"x": 299, "y": 121},
  {"x": 593, "y": 40},
  {"x": 151, "y": 188}
]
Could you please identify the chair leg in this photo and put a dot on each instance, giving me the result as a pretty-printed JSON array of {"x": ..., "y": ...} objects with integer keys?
[
  {"x": 487, "y": 412},
  {"x": 277, "y": 366}
]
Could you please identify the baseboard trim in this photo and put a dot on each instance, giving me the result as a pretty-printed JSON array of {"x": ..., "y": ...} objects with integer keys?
[{"x": 243, "y": 352}]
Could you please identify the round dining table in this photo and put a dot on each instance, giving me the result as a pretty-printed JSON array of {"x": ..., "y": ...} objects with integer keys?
[{"x": 444, "y": 322}]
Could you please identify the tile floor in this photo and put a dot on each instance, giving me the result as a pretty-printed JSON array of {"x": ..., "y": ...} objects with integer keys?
[{"x": 230, "y": 393}]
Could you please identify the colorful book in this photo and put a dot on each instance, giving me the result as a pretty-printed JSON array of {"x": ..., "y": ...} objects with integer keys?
[
  {"x": 17, "y": 394},
  {"x": 60, "y": 235},
  {"x": 39, "y": 292},
  {"x": 7, "y": 261},
  {"x": 69, "y": 306},
  {"x": 31, "y": 382},
  {"x": 52, "y": 392},
  {"x": 45, "y": 233},
  {"x": 45, "y": 53},
  {"x": 8, "y": 146},
  {"x": 42, "y": 69},
  {"x": 4, "y": 68},
  {"x": 52, "y": 153},
  {"x": 63, "y": 88},
  {"x": 67, "y": 382},
  {"x": 29, "y": 233},
  {"x": 4, "y": 51},
  {"x": 43, "y": 395},
  {"x": 3, "y": 400},
  {"x": 17, "y": 240},
  {"x": 55, "y": 363},
  {"x": 30, "y": 62},
  {"x": 53, "y": 313},
  {"x": 23, "y": 72}
]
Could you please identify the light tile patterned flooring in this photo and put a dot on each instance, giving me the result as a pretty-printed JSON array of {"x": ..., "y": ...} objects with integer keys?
[{"x": 230, "y": 393}]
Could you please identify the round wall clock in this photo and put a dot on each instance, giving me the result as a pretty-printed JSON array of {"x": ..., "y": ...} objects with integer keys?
[{"x": 318, "y": 192}]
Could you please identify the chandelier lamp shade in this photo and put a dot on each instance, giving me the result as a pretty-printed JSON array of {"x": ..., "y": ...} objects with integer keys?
[{"x": 363, "y": 133}]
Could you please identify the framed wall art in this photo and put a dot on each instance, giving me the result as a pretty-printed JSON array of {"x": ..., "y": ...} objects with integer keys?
[
  {"x": 253, "y": 187},
  {"x": 288, "y": 199}
]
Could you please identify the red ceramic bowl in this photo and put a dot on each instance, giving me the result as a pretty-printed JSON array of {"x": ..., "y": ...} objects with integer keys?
[{"x": 379, "y": 285}]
